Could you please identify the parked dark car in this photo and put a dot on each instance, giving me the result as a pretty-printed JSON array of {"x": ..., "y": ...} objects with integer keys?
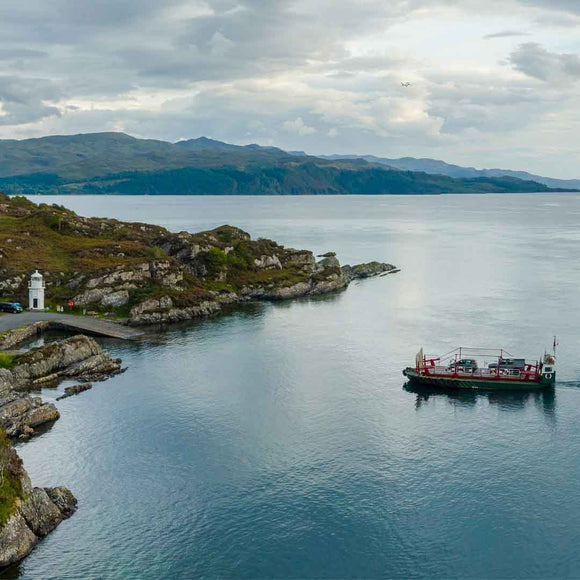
[
  {"x": 509, "y": 364},
  {"x": 12, "y": 307},
  {"x": 468, "y": 364}
]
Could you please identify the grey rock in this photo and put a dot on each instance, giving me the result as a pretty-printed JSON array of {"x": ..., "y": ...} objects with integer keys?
[
  {"x": 16, "y": 540},
  {"x": 163, "y": 316},
  {"x": 302, "y": 257},
  {"x": 268, "y": 263},
  {"x": 45, "y": 413},
  {"x": 40, "y": 513},
  {"x": 19, "y": 416},
  {"x": 35, "y": 517},
  {"x": 78, "y": 357},
  {"x": 327, "y": 263},
  {"x": 74, "y": 356},
  {"x": 7, "y": 382},
  {"x": 96, "y": 295},
  {"x": 63, "y": 499},
  {"x": 75, "y": 390},
  {"x": 119, "y": 298},
  {"x": 294, "y": 291},
  {"x": 367, "y": 270}
]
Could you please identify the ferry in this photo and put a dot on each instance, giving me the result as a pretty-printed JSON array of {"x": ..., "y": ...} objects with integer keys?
[{"x": 460, "y": 369}]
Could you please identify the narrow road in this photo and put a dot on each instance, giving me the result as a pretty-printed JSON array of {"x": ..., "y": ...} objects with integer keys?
[{"x": 75, "y": 323}]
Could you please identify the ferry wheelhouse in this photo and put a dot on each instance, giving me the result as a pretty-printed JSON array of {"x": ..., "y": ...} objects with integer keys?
[{"x": 467, "y": 368}]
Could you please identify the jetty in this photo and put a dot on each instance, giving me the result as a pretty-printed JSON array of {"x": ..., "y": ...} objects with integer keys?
[{"x": 72, "y": 322}]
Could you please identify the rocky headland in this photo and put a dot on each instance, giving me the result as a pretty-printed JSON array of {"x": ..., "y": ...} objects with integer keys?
[
  {"x": 26, "y": 513},
  {"x": 134, "y": 273},
  {"x": 144, "y": 274}
]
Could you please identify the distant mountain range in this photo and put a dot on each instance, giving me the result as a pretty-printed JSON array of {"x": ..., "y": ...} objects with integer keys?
[
  {"x": 436, "y": 167},
  {"x": 118, "y": 163}
]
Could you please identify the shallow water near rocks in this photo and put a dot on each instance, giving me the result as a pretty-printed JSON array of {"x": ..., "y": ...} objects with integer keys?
[{"x": 278, "y": 441}]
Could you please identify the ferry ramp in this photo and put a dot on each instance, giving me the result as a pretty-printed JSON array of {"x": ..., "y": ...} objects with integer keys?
[{"x": 82, "y": 324}]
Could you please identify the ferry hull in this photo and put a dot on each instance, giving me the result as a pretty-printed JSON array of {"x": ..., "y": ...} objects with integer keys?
[{"x": 498, "y": 384}]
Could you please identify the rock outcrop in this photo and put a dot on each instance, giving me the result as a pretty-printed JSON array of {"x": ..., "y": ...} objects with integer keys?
[
  {"x": 368, "y": 270},
  {"x": 21, "y": 415},
  {"x": 149, "y": 275},
  {"x": 309, "y": 278},
  {"x": 75, "y": 390},
  {"x": 31, "y": 513},
  {"x": 79, "y": 357}
]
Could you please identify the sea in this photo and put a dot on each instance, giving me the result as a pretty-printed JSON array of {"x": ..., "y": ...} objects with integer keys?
[{"x": 280, "y": 440}]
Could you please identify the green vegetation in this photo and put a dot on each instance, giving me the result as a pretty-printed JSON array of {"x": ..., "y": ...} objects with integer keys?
[
  {"x": 7, "y": 360},
  {"x": 10, "y": 477},
  {"x": 118, "y": 163},
  {"x": 55, "y": 239},
  {"x": 82, "y": 256},
  {"x": 155, "y": 252}
]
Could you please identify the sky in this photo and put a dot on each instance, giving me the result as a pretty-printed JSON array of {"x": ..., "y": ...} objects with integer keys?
[{"x": 493, "y": 83}]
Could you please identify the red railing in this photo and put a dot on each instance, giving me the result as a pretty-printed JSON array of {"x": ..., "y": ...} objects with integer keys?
[{"x": 449, "y": 365}]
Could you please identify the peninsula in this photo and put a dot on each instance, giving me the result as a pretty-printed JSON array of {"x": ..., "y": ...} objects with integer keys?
[
  {"x": 144, "y": 274},
  {"x": 133, "y": 273}
]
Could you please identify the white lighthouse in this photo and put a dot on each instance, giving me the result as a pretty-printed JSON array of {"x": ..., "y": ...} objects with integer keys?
[{"x": 36, "y": 292}]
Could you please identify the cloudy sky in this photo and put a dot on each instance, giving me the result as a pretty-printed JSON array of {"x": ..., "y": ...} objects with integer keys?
[{"x": 493, "y": 83}]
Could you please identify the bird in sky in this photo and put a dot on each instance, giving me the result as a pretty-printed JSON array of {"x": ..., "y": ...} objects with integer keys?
[{"x": 405, "y": 85}]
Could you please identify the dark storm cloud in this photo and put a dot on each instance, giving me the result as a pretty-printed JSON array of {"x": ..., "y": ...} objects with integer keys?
[
  {"x": 535, "y": 61},
  {"x": 23, "y": 99}
]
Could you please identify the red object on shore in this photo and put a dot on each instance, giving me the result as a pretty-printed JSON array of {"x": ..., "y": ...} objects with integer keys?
[{"x": 71, "y": 304}]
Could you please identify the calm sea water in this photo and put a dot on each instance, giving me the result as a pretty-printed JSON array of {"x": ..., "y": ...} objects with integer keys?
[{"x": 278, "y": 441}]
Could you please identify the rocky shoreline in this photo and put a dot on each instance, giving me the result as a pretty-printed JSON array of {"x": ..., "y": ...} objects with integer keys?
[
  {"x": 136, "y": 273},
  {"x": 37, "y": 511},
  {"x": 146, "y": 274},
  {"x": 324, "y": 276},
  {"x": 77, "y": 357}
]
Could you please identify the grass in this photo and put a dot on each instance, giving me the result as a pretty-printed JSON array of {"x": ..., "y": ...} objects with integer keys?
[
  {"x": 10, "y": 472},
  {"x": 68, "y": 248},
  {"x": 7, "y": 360}
]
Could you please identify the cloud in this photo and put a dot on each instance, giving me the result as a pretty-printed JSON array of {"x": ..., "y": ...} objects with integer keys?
[
  {"x": 535, "y": 61},
  {"x": 571, "y": 6},
  {"x": 277, "y": 72},
  {"x": 20, "y": 53},
  {"x": 299, "y": 127},
  {"x": 23, "y": 100},
  {"x": 505, "y": 34}
]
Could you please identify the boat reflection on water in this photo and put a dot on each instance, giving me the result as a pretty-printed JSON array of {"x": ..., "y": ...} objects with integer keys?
[{"x": 544, "y": 399}]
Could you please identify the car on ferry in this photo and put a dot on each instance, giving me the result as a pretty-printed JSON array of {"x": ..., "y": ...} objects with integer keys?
[
  {"x": 463, "y": 364},
  {"x": 509, "y": 364}
]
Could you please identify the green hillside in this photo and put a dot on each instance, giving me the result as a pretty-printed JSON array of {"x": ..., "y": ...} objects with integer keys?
[{"x": 117, "y": 163}]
